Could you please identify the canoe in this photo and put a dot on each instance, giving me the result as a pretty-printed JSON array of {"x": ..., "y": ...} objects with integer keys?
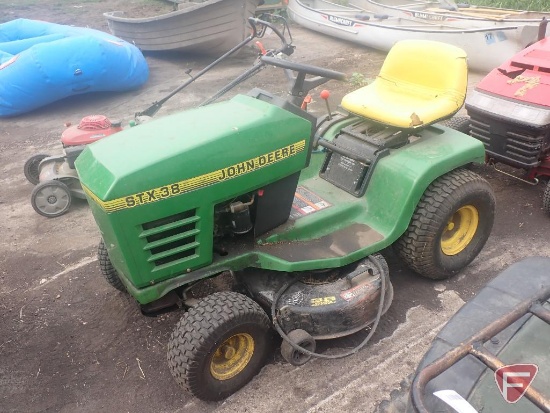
[
  {"x": 486, "y": 47},
  {"x": 42, "y": 62},
  {"x": 461, "y": 15},
  {"x": 211, "y": 27}
]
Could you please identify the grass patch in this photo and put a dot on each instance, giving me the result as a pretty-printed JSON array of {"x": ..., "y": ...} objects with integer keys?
[
  {"x": 532, "y": 5},
  {"x": 358, "y": 80},
  {"x": 26, "y": 3}
]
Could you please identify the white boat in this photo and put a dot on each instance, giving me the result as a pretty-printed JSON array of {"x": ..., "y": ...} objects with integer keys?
[
  {"x": 207, "y": 27},
  {"x": 486, "y": 47},
  {"x": 462, "y": 15}
]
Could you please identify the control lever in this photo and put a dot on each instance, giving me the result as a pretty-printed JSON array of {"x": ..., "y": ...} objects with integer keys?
[
  {"x": 307, "y": 100},
  {"x": 260, "y": 46},
  {"x": 325, "y": 94}
]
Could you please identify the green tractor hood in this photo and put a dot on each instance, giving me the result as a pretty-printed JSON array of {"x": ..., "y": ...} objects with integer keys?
[
  {"x": 202, "y": 144},
  {"x": 153, "y": 189}
]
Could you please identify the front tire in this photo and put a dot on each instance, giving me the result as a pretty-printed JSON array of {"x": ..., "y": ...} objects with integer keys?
[
  {"x": 106, "y": 267},
  {"x": 51, "y": 199},
  {"x": 219, "y": 345},
  {"x": 450, "y": 226}
]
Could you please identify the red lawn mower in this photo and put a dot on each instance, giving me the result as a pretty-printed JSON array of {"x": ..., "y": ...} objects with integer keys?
[{"x": 55, "y": 177}]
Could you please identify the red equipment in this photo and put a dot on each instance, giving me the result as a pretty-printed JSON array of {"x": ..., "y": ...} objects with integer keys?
[
  {"x": 510, "y": 113},
  {"x": 90, "y": 129}
]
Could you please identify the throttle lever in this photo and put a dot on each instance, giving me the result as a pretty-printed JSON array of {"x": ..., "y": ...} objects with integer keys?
[
  {"x": 260, "y": 46},
  {"x": 325, "y": 94}
]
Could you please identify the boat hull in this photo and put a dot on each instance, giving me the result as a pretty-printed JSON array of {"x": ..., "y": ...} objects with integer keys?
[
  {"x": 465, "y": 16},
  {"x": 212, "y": 27},
  {"x": 486, "y": 48}
]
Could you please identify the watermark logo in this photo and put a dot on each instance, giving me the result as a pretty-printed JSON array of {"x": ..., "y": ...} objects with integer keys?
[{"x": 514, "y": 380}]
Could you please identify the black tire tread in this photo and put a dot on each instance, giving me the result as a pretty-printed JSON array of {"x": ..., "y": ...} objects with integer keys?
[
  {"x": 424, "y": 223},
  {"x": 106, "y": 267},
  {"x": 398, "y": 401},
  {"x": 30, "y": 174},
  {"x": 459, "y": 123},
  {"x": 197, "y": 331},
  {"x": 546, "y": 199}
]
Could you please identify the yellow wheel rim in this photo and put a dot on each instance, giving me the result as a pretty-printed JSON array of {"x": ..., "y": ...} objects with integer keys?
[
  {"x": 460, "y": 230},
  {"x": 232, "y": 356}
]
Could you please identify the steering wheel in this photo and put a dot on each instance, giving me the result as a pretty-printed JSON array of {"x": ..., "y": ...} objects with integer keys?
[
  {"x": 304, "y": 68},
  {"x": 300, "y": 86}
]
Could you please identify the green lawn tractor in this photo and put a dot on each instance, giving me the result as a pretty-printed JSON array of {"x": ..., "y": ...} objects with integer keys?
[{"x": 254, "y": 216}]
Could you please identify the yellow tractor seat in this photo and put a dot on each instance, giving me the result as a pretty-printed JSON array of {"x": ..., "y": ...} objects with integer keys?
[{"x": 421, "y": 82}]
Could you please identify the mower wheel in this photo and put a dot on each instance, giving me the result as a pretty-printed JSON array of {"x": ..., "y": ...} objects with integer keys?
[
  {"x": 546, "y": 198},
  {"x": 301, "y": 338},
  {"x": 51, "y": 198},
  {"x": 450, "y": 226},
  {"x": 31, "y": 170},
  {"x": 107, "y": 269},
  {"x": 459, "y": 123},
  {"x": 219, "y": 345}
]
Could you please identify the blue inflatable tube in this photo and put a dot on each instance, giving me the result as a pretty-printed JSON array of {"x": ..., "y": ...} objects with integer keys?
[{"x": 43, "y": 62}]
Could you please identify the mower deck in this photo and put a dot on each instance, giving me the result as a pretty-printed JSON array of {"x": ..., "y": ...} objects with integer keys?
[{"x": 326, "y": 304}]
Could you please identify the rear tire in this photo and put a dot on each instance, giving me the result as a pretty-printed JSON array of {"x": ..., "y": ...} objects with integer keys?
[
  {"x": 31, "y": 168},
  {"x": 219, "y": 345},
  {"x": 459, "y": 123},
  {"x": 450, "y": 226},
  {"x": 51, "y": 199},
  {"x": 546, "y": 198},
  {"x": 107, "y": 269}
]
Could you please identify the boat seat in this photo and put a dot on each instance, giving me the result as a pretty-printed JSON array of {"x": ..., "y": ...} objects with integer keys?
[{"x": 420, "y": 82}]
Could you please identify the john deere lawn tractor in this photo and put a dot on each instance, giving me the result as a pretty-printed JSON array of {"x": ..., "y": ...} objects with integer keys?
[{"x": 253, "y": 215}]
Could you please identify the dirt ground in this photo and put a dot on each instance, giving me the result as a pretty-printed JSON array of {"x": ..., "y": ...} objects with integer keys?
[{"x": 70, "y": 343}]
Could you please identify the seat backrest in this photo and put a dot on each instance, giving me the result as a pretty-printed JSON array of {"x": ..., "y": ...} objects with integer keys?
[
  {"x": 420, "y": 82},
  {"x": 428, "y": 64}
]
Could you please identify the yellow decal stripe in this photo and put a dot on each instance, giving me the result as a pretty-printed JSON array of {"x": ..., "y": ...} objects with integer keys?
[{"x": 191, "y": 184}]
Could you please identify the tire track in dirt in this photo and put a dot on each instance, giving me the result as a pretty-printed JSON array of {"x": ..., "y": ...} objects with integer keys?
[{"x": 351, "y": 384}]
